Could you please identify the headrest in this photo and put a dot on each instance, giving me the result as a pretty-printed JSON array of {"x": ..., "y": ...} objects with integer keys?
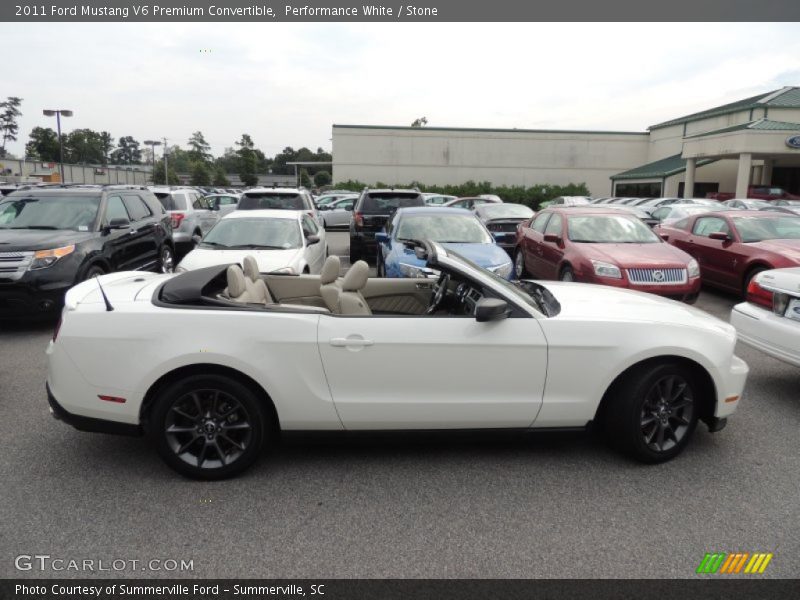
[
  {"x": 356, "y": 277},
  {"x": 236, "y": 281},
  {"x": 251, "y": 268},
  {"x": 330, "y": 270}
]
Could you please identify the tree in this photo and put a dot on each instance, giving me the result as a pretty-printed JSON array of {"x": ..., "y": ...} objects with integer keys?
[
  {"x": 322, "y": 178},
  {"x": 43, "y": 145},
  {"x": 83, "y": 146},
  {"x": 9, "y": 111},
  {"x": 158, "y": 175},
  {"x": 107, "y": 143},
  {"x": 305, "y": 180},
  {"x": 199, "y": 149},
  {"x": 201, "y": 173},
  {"x": 220, "y": 178},
  {"x": 179, "y": 159},
  {"x": 127, "y": 152},
  {"x": 248, "y": 162},
  {"x": 421, "y": 122}
]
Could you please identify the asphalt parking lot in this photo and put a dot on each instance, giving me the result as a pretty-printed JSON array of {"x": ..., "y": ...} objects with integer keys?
[{"x": 455, "y": 505}]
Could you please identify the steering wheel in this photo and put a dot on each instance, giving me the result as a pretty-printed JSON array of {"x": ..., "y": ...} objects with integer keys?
[{"x": 438, "y": 296}]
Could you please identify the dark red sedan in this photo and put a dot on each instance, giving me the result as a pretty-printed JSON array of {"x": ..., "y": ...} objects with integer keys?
[
  {"x": 603, "y": 246},
  {"x": 732, "y": 246}
]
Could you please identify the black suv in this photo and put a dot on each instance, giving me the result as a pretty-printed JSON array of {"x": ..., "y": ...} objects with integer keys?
[
  {"x": 52, "y": 238},
  {"x": 372, "y": 210}
]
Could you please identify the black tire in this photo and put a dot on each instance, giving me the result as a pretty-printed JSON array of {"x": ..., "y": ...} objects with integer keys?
[
  {"x": 166, "y": 259},
  {"x": 519, "y": 264},
  {"x": 654, "y": 411},
  {"x": 208, "y": 426},
  {"x": 92, "y": 272},
  {"x": 749, "y": 277},
  {"x": 356, "y": 253},
  {"x": 567, "y": 274},
  {"x": 379, "y": 266}
]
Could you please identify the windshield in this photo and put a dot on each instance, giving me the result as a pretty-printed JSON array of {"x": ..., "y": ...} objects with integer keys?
[
  {"x": 267, "y": 200},
  {"x": 756, "y": 229},
  {"x": 271, "y": 234},
  {"x": 680, "y": 213},
  {"x": 76, "y": 213},
  {"x": 503, "y": 211},
  {"x": 788, "y": 203},
  {"x": 455, "y": 229},
  {"x": 758, "y": 203},
  {"x": 389, "y": 201},
  {"x": 609, "y": 229},
  {"x": 529, "y": 292}
]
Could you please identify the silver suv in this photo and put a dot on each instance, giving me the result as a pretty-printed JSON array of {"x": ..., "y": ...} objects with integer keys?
[{"x": 192, "y": 215}]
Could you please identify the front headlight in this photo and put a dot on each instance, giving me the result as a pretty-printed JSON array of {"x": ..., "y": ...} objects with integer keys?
[
  {"x": 46, "y": 258},
  {"x": 416, "y": 272},
  {"x": 604, "y": 269},
  {"x": 693, "y": 268},
  {"x": 503, "y": 270}
]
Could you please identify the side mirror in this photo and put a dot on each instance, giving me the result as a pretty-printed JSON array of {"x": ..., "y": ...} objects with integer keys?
[
  {"x": 551, "y": 237},
  {"x": 719, "y": 235},
  {"x": 381, "y": 237},
  {"x": 312, "y": 239},
  {"x": 215, "y": 207},
  {"x": 119, "y": 223},
  {"x": 491, "y": 309}
]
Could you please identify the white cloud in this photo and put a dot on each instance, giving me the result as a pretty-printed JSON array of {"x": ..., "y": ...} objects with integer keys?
[{"x": 285, "y": 84}]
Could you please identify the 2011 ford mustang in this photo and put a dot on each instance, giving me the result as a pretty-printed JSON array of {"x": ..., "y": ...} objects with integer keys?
[{"x": 214, "y": 362}]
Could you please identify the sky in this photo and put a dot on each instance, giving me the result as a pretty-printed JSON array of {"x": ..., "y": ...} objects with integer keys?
[{"x": 285, "y": 84}]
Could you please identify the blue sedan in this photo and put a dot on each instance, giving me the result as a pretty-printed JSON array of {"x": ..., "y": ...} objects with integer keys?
[{"x": 457, "y": 229}]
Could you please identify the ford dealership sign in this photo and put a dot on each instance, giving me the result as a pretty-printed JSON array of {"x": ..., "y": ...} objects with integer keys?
[{"x": 793, "y": 142}]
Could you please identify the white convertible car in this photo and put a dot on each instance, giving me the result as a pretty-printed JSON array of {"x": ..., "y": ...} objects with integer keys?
[
  {"x": 211, "y": 363},
  {"x": 770, "y": 319}
]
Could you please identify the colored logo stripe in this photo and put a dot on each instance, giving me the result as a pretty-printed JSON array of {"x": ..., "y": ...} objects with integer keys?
[{"x": 734, "y": 563}]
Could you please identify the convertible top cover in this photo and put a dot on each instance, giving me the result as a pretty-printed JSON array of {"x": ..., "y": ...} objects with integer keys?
[{"x": 189, "y": 287}]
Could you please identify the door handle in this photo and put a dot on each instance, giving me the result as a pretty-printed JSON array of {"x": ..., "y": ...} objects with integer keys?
[{"x": 344, "y": 342}]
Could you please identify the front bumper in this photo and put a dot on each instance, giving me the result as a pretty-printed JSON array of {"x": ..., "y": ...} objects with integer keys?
[
  {"x": 88, "y": 423},
  {"x": 730, "y": 389},
  {"x": 40, "y": 292},
  {"x": 683, "y": 292},
  {"x": 777, "y": 336}
]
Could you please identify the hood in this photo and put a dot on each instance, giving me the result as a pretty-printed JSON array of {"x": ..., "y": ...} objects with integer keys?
[
  {"x": 787, "y": 248},
  {"x": 483, "y": 255},
  {"x": 635, "y": 255},
  {"x": 599, "y": 302},
  {"x": 20, "y": 240},
  {"x": 268, "y": 260}
]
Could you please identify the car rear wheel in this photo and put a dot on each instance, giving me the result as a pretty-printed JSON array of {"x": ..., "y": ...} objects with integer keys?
[
  {"x": 208, "y": 426},
  {"x": 567, "y": 274},
  {"x": 379, "y": 266},
  {"x": 355, "y": 253},
  {"x": 749, "y": 277},
  {"x": 166, "y": 260},
  {"x": 93, "y": 271},
  {"x": 654, "y": 412},
  {"x": 519, "y": 264}
]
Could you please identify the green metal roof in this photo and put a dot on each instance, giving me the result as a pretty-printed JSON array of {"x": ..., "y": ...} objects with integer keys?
[
  {"x": 787, "y": 97},
  {"x": 429, "y": 128},
  {"x": 660, "y": 168},
  {"x": 758, "y": 125}
]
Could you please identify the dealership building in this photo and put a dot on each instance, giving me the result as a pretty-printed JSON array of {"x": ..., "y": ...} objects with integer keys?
[{"x": 754, "y": 141}]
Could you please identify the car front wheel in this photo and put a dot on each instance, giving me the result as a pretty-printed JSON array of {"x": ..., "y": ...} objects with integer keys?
[
  {"x": 654, "y": 412},
  {"x": 166, "y": 260},
  {"x": 208, "y": 426},
  {"x": 519, "y": 264}
]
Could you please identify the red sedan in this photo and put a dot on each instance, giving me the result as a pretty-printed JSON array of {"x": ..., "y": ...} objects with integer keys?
[
  {"x": 608, "y": 247},
  {"x": 732, "y": 246}
]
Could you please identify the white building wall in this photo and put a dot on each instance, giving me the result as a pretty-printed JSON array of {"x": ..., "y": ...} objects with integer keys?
[
  {"x": 503, "y": 157},
  {"x": 664, "y": 142},
  {"x": 722, "y": 171}
]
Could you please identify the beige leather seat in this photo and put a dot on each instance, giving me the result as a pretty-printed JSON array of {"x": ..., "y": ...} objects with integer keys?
[
  {"x": 351, "y": 302},
  {"x": 238, "y": 289},
  {"x": 330, "y": 284},
  {"x": 254, "y": 282}
]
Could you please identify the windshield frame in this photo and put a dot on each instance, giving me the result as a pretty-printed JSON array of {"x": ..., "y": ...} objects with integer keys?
[
  {"x": 736, "y": 220},
  {"x": 231, "y": 223},
  {"x": 489, "y": 239},
  {"x": 92, "y": 226},
  {"x": 630, "y": 217}
]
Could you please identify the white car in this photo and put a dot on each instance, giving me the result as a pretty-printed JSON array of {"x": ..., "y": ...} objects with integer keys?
[
  {"x": 285, "y": 241},
  {"x": 770, "y": 319},
  {"x": 219, "y": 370}
]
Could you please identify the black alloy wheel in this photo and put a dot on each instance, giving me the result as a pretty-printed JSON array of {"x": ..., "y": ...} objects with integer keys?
[
  {"x": 166, "y": 260},
  {"x": 208, "y": 426}
]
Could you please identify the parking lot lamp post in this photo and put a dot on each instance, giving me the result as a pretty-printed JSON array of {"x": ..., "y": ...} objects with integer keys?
[
  {"x": 153, "y": 144},
  {"x": 58, "y": 113}
]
